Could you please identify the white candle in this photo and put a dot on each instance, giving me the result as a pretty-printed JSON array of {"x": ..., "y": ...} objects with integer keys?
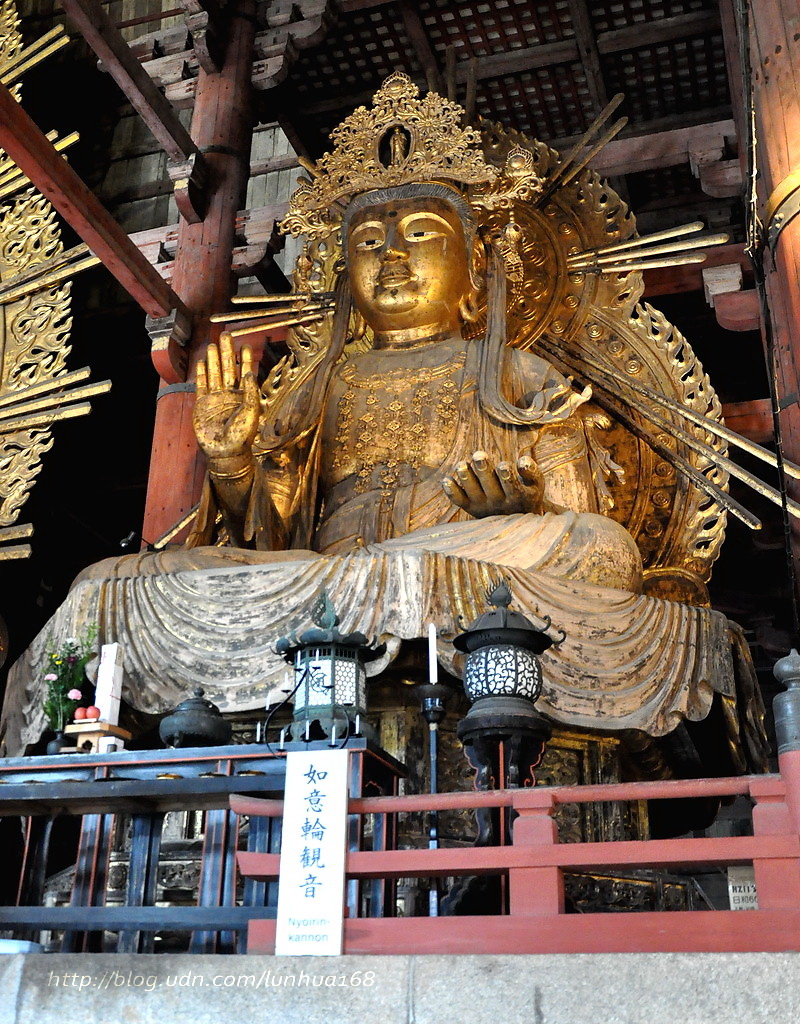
[
  {"x": 358, "y": 725},
  {"x": 333, "y": 734},
  {"x": 433, "y": 664},
  {"x": 283, "y": 739}
]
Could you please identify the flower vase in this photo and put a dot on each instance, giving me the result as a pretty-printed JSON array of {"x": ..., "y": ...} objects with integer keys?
[{"x": 56, "y": 743}]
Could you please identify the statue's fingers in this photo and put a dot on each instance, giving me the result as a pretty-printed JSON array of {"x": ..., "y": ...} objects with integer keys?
[
  {"x": 454, "y": 492},
  {"x": 228, "y": 360},
  {"x": 201, "y": 378},
  {"x": 251, "y": 394},
  {"x": 212, "y": 362},
  {"x": 467, "y": 479},
  {"x": 528, "y": 470},
  {"x": 247, "y": 360},
  {"x": 508, "y": 480},
  {"x": 486, "y": 477}
]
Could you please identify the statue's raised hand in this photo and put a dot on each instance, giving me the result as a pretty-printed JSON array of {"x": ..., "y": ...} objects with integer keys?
[
  {"x": 227, "y": 407},
  {"x": 483, "y": 488}
]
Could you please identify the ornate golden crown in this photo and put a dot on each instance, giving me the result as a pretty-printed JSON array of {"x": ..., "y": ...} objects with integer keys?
[{"x": 403, "y": 139}]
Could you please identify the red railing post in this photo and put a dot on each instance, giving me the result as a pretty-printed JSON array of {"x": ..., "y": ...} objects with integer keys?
[
  {"x": 789, "y": 765},
  {"x": 535, "y": 891},
  {"x": 777, "y": 878}
]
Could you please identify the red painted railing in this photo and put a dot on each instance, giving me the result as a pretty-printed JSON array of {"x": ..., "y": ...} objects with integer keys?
[{"x": 535, "y": 862}]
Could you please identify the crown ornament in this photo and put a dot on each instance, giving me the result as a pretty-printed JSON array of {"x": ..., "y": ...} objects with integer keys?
[{"x": 403, "y": 139}]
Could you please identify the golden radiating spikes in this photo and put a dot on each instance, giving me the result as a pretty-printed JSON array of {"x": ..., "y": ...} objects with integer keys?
[
  {"x": 44, "y": 420},
  {"x": 282, "y": 299},
  {"x": 48, "y": 280},
  {"x": 625, "y": 268},
  {"x": 255, "y": 314},
  {"x": 676, "y": 248},
  {"x": 75, "y": 377},
  {"x": 11, "y": 169},
  {"x": 587, "y": 136},
  {"x": 20, "y": 180},
  {"x": 17, "y": 551},
  {"x": 711, "y": 425},
  {"x": 609, "y": 401},
  {"x": 9, "y": 77},
  {"x": 696, "y": 445},
  {"x": 25, "y": 277},
  {"x": 54, "y": 401},
  {"x": 174, "y": 530},
  {"x": 308, "y": 165},
  {"x": 591, "y": 153},
  {"x": 24, "y": 52},
  {"x": 17, "y": 532},
  {"x": 642, "y": 241},
  {"x": 307, "y": 318}
]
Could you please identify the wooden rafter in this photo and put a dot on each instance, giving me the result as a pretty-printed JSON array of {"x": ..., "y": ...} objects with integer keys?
[
  {"x": 31, "y": 151},
  {"x": 186, "y": 163},
  {"x": 590, "y": 55},
  {"x": 415, "y": 31}
]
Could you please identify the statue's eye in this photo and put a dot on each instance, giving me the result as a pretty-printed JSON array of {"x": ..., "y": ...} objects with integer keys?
[
  {"x": 369, "y": 242},
  {"x": 422, "y": 231}
]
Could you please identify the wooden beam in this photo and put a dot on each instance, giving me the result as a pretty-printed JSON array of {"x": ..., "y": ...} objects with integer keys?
[
  {"x": 657, "y": 149},
  {"x": 91, "y": 21},
  {"x": 752, "y": 420},
  {"x": 529, "y": 58},
  {"x": 674, "y": 280},
  {"x": 658, "y": 31},
  {"x": 738, "y": 311},
  {"x": 416, "y": 33},
  {"x": 590, "y": 55},
  {"x": 30, "y": 150},
  {"x": 187, "y": 168}
]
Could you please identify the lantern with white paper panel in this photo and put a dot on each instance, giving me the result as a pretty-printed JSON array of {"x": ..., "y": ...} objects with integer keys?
[{"x": 330, "y": 678}]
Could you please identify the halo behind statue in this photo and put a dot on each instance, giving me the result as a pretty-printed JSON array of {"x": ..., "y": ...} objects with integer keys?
[{"x": 565, "y": 313}]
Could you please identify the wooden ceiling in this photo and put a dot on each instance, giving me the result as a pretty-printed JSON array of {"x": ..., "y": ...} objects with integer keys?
[{"x": 545, "y": 69}]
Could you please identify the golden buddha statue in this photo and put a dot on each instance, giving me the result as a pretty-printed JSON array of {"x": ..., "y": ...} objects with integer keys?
[
  {"x": 424, "y": 435},
  {"x": 405, "y": 437}
]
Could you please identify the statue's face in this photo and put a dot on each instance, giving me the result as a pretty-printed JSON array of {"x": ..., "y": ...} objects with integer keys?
[{"x": 408, "y": 267}]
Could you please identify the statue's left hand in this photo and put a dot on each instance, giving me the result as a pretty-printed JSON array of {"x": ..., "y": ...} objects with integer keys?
[{"x": 484, "y": 489}]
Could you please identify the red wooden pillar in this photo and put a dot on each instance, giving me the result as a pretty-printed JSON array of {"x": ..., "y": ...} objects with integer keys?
[
  {"x": 774, "y": 47},
  {"x": 222, "y": 130}
]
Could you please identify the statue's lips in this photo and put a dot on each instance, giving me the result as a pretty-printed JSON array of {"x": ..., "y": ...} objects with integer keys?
[{"x": 394, "y": 276}]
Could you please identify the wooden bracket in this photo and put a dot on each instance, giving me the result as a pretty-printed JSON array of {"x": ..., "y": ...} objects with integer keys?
[
  {"x": 207, "y": 24},
  {"x": 188, "y": 179},
  {"x": 168, "y": 337}
]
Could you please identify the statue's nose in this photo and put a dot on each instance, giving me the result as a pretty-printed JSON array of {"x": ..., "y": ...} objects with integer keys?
[{"x": 393, "y": 247}]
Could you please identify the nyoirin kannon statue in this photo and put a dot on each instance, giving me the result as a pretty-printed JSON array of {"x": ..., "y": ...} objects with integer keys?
[
  {"x": 411, "y": 415},
  {"x": 424, "y": 435}
]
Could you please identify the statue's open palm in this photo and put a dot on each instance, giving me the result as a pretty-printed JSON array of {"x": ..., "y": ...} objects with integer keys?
[{"x": 227, "y": 408}]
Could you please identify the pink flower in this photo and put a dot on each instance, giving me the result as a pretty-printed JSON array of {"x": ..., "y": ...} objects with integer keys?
[
  {"x": 74, "y": 694},
  {"x": 50, "y": 677}
]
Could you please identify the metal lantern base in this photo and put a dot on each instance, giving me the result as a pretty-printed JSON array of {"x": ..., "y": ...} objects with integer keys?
[
  {"x": 333, "y": 725},
  {"x": 504, "y": 739}
]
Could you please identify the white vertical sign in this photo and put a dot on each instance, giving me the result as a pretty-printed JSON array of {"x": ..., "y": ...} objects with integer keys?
[
  {"x": 108, "y": 687},
  {"x": 313, "y": 846}
]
